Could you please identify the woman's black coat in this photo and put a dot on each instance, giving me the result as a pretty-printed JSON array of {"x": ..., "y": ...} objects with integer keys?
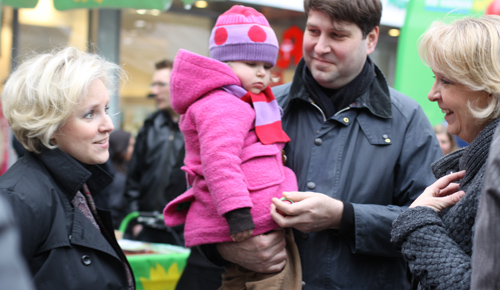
[{"x": 62, "y": 247}]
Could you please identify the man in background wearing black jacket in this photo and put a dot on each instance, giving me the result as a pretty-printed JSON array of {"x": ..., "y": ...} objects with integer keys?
[{"x": 154, "y": 177}]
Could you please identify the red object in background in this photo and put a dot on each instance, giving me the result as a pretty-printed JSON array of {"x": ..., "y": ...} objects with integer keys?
[
  {"x": 4, "y": 142},
  {"x": 291, "y": 47},
  {"x": 276, "y": 77},
  {"x": 493, "y": 8}
]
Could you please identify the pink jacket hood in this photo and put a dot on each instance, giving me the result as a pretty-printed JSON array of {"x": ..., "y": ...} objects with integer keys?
[{"x": 195, "y": 75}]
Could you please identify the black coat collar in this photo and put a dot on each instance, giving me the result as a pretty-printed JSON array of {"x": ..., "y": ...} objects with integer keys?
[
  {"x": 70, "y": 174},
  {"x": 376, "y": 99}
]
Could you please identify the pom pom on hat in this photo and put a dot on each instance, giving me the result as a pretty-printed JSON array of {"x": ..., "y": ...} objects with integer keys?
[{"x": 243, "y": 34}]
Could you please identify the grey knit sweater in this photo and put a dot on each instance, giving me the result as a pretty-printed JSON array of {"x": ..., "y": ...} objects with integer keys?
[{"x": 438, "y": 247}]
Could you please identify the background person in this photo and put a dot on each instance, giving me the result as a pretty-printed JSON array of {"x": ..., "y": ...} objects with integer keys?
[
  {"x": 486, "y": 253},
  {"x": 14, "y": 272},
  {"x": 154, "y": 176},
  {"x": 447, "y": 141},
  {"x": 361, "y": 152},
  {"x": 121, "y": 147},
  {"x": 234, "y": 142},
  {"x": 435, "y": 234},
  {"x": 56, "y": 104}
]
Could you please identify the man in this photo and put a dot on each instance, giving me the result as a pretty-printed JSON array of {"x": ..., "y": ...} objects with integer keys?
[
  {"x": 155, "y": 178},
  {"x": 361, "y": 152}
]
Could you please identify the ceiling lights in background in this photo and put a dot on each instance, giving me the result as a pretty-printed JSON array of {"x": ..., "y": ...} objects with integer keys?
[
  {"x": 393, "y": 32},
  {"x": 201, "y": 4}
]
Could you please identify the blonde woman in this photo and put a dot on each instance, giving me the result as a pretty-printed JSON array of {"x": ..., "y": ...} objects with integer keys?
[
  {"x": 56, "y": 104},
  {"x": 435, "y": 234}
]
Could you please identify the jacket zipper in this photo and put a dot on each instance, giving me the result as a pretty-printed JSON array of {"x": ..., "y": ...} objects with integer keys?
[
  {"x": 323, "y": 114},
  {"x": 343, "y": 110},
  {"x": 319, "y": 109}
]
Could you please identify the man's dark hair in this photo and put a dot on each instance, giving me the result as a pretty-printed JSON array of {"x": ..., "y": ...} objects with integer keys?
[
  {"x": 164, "y": 64},
  {"x": 365, "y": 14}
]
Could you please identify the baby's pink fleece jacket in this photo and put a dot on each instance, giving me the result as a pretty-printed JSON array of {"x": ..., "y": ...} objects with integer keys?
[{"x": 226, "y": 164}]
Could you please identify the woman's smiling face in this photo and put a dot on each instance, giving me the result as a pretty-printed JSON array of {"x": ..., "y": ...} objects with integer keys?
[
  {"x": 453, "y": 99},
  {"x": 85, "y": 135}
]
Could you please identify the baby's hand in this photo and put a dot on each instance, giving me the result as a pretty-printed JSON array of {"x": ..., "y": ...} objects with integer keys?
[{"x": 241, "y": 236}]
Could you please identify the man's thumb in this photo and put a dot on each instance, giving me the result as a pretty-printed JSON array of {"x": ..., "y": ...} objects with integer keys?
[{"x": 295, "y": 196}]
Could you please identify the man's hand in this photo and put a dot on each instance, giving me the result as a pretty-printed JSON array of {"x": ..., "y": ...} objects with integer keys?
[
  {"x": 442, "y": 193},
  {"x": 310, "y": 212},
  {"x": 241, "y": 236},
  {"x": 263, "y": 253}
]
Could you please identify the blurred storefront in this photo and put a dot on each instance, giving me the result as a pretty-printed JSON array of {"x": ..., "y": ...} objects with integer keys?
[{"x": 136, "y": 39}]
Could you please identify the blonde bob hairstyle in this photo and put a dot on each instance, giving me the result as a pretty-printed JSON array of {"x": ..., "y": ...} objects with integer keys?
[
  {"x": 43, "y": 92},
  {"x": 467, "y": 51}
]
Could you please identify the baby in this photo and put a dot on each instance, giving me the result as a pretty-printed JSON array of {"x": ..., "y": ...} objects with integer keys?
[{"x": 234, "y": 139}]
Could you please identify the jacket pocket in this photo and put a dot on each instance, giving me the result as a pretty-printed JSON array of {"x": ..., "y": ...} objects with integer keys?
[
  {"x": 377, "y": 131},
  {"x": 175, "y": 212},
  {"x": 262, "y": 166}
]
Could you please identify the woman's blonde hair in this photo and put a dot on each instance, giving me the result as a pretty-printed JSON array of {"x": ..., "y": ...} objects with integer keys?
[
  {"x": 467, "y": 51},
  {"x": 42, "y": 93}
]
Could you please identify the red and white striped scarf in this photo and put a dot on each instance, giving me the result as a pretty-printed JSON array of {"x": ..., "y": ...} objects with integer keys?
[{"x": 267, "y": 114}]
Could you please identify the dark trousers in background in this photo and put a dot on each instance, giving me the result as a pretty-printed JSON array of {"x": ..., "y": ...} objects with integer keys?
[{"x": 200, "y": 274}]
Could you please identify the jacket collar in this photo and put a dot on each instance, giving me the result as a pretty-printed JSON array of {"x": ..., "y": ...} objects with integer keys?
[
  {"x": 376, "y": 99},
  {"x": 70, "y": 174}
]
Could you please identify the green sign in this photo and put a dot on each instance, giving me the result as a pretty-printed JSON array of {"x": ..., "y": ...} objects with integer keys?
[
  {"x": 87, "y": 4},
  {"x": 412, "y": 77},
  {"x": 134, "y": 4},
  {"x": 20, "y": 3}
]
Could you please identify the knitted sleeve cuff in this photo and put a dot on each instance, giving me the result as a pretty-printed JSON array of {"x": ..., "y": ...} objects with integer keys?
[
  {"x": 411, "y": 220},
  {"x": 239, "y": 220}
]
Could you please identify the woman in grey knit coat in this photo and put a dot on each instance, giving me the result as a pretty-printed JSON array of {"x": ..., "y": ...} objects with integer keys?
[{"x": 435, "y": 234}]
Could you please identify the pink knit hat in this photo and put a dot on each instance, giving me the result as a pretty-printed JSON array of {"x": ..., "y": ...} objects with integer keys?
[{"x": 243, "y": 34}]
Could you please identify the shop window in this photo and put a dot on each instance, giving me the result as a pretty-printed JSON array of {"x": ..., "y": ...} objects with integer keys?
[
  {"x": 146, "y": 38},
  {"x": 44, "y": 28}
]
